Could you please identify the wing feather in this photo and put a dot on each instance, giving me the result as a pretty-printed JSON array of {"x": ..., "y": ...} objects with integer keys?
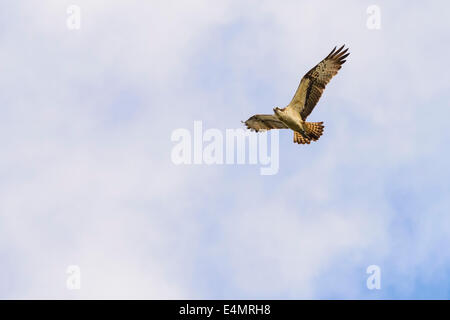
[
  {"x": 262, "y": 122},
  {"x": 314, "y": 81}
]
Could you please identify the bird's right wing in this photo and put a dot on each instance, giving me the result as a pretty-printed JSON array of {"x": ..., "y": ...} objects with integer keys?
[{"x": 262, "y": 122}]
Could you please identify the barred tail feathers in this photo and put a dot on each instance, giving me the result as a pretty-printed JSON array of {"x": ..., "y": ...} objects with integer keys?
[{"x": 313, "y": 132}]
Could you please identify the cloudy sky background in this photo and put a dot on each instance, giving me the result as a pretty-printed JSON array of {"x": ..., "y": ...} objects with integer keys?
[{"x": 87, "y": 179}]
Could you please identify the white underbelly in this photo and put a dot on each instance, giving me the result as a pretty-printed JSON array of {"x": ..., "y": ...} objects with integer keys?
[{"x": 294, "y": 122}]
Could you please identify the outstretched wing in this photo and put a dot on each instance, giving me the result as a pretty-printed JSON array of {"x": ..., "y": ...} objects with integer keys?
[
  {"x": 313, "y": 83},
  {"x": 262, "y": 122}
]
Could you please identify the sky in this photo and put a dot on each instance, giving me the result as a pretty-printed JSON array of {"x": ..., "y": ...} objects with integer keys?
[{"x": 87, "y": 178}]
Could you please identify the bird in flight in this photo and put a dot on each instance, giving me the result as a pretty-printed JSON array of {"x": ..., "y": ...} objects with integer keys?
[{"x": 305, "y": 99}]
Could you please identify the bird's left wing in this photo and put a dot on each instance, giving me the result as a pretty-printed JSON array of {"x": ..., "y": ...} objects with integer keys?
[
  {"x": 262, "y": 122},
  {"x": 313, "y": 83}
]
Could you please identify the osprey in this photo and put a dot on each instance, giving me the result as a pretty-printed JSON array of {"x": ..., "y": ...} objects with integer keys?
[{"x": 305, "y": 99}]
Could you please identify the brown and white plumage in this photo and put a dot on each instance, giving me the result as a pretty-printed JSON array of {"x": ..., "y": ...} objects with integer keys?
[
  {"x": 305, "y": 99},
  {"x": 262, "y": 122}
]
